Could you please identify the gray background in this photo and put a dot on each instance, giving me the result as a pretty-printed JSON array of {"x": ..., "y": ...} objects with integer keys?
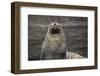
[{"x": 75, "y": 31}]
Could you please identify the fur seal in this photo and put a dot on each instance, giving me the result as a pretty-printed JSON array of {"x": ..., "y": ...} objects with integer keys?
[{"x": 54, "y": 45}]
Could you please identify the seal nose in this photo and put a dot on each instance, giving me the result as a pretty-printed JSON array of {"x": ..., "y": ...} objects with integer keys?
[
  {"x": 55, "y": 26},
  {"x": 54, "y": 23}
]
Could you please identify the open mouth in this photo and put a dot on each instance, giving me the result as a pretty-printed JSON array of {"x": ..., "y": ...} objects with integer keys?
[{"x": 55, "y": 31}]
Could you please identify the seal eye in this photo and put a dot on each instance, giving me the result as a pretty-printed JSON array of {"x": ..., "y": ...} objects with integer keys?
[{"x": 59, "y": 26}]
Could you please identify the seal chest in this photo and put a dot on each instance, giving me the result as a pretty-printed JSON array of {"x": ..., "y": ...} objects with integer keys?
[{"x": 54, "y": 46}]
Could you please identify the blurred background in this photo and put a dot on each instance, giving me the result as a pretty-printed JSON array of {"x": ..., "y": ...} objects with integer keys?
[{"x": 75, "y": 31}]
